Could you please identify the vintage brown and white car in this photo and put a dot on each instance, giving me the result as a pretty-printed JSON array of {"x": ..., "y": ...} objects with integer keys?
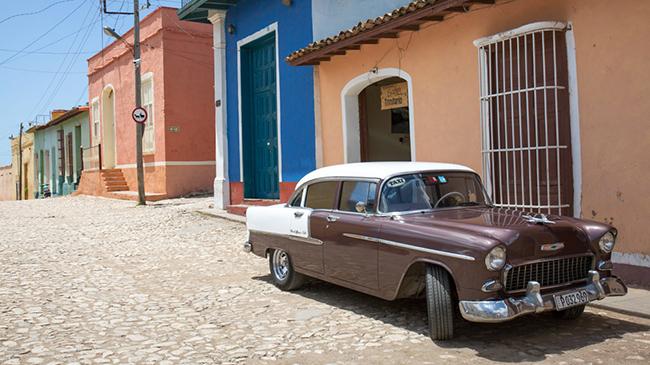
[{"x": 408, "y": 229}]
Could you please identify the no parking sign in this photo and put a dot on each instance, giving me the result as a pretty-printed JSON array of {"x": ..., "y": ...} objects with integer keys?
[{"x": 139, "y": 115}]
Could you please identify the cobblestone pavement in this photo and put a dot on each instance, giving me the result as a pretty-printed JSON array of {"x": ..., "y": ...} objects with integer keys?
[{"x": 89, "y": 280}]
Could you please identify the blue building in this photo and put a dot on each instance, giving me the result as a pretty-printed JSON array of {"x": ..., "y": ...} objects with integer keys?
[{"x": 266, "y": 127}]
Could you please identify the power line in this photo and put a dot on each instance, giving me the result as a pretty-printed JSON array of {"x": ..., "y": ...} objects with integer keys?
[
  {"x": 67, "y": 71},
  {"x": 42, "y": 35},
  {"x": 46, "y": 52},
  {"x": 34, "y": 70},
  {"x": 24, "y": 53},
  {"x": 35, "y": 12},
  {"x": 61, "y": 65}
]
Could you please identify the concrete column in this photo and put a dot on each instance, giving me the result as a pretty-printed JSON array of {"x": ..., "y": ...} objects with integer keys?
[{"x": 221, "y": 183}]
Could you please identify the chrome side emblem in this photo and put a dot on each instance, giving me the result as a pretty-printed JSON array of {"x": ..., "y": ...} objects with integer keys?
[
  {"x": 537, "y": 219},
  {"x": 552, "y": 246}
]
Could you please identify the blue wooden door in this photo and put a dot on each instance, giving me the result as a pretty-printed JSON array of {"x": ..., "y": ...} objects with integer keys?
[{"x": 259, "y": 119}]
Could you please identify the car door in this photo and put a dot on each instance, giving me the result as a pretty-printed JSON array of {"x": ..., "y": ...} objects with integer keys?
[
  {"x": 348, "y": 253},
  {"x": 306, "y": 251}
]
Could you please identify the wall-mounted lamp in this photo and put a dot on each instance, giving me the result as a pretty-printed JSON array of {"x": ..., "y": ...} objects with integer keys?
[
  {"x": 286, "y": 2},
  {"x": 231, "y": 29}
]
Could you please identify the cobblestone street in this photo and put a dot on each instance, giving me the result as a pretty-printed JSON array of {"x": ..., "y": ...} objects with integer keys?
[{"x": 90, "y": 280}]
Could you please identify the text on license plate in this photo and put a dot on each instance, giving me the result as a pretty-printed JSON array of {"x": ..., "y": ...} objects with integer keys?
[{"x": 568, "y": 300}]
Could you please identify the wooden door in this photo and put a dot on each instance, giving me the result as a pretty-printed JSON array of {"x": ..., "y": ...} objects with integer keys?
[{"x": 259, "y": 119}]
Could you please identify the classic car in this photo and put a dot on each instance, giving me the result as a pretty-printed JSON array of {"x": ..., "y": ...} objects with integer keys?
[{"x": 413, "y": 229}]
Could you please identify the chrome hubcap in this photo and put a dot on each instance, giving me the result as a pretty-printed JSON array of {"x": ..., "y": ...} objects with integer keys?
[{"x": 280, "y": 264}]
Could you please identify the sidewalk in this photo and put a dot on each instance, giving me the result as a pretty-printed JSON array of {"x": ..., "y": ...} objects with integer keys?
[{"x": 635, "y": 303}]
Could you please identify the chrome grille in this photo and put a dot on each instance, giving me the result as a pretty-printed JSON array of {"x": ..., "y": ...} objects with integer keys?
[{"x": 549, "y": 273}]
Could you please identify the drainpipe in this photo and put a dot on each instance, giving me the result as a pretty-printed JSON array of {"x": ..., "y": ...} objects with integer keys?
[{"x": 221, "y": 183}]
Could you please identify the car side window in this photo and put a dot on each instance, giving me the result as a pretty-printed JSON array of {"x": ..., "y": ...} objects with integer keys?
[
  {"x": 321, "y": 195},
  {"x": 297, "y": 199},
  {"x": 354, "y": 192}
]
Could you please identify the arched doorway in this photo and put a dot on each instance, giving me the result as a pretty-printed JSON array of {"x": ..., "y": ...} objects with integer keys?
[
  {"x": 108, "y": 128},
  {"x": 378, "y": 117}
]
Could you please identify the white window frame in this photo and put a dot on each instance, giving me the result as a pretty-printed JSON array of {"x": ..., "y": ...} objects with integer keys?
[
  {"x": 150, "y": 126},
  {"x": 95, "y": 115},
  {"x": 486, "y": 117}
]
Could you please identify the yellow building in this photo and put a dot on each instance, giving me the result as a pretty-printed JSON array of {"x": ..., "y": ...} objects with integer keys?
[{"x": 28, "y": 172}]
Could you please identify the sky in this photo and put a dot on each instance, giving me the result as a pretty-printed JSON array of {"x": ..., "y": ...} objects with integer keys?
[{"x": 44, "y": 45}]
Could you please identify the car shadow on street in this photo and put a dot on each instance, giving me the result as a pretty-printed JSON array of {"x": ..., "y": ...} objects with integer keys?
[{"x": 528, "y": 338}]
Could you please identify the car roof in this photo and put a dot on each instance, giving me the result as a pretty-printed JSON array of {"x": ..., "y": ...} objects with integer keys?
[{"x": 378, "y": 170}]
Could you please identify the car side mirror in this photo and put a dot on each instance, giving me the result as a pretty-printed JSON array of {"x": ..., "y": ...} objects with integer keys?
[{"x": 360, "y": 207}]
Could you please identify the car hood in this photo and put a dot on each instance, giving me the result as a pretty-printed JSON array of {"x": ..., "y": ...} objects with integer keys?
[{"x": 524, "y": 240}]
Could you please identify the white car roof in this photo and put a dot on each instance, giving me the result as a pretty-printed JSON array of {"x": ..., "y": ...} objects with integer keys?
[{"x": 379, "y": 170}]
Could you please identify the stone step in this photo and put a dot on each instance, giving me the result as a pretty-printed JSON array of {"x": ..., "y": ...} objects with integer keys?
[{"x": 117, "y": 188}]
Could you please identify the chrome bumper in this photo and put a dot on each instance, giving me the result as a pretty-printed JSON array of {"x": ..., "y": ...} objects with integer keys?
[
  {"x": 248, "y": 247},
  {"x": 533, "y": 302}
]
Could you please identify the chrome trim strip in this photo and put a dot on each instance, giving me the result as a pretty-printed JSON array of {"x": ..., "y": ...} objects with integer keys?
[
  {"x": 310, "y": 240},
  {"x": 410, "y": 247}
]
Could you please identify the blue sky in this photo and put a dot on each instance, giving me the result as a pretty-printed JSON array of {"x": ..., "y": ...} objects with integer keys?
[{"x": 43, "y": 56}]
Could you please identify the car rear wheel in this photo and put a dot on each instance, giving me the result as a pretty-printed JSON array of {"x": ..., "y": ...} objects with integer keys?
[
  {"x": 571, "y": 313},
  {"x": 439, "y": 303},
  {"x": 282, "y": 272}
]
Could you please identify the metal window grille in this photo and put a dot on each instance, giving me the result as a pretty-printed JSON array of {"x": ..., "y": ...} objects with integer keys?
[
  {"x": 70, "y": 154},
  {"x": 525, "y": 121},
  {"x": 61, "y": 143}
]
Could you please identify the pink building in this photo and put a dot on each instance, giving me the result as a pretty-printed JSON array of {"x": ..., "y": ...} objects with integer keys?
[{"x": 179, "y": 142}]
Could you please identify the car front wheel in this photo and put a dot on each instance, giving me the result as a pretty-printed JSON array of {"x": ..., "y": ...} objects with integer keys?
[
  {"x": 439, "y": 303},
  {"x": 282, "y": 272}
]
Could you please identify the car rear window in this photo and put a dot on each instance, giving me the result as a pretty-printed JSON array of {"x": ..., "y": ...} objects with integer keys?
[
  {"x": 321, "y": 195},
  {"x": 354, "y": 192}
]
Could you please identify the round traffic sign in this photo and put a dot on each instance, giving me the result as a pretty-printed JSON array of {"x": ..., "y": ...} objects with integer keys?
[{"x": 139, "y": 115}]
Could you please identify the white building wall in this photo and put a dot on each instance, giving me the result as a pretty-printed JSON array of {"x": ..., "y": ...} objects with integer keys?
[{"x": 329, "y": 17}]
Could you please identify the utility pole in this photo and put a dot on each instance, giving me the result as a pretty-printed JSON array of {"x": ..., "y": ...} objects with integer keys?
[
  {"x": 19, "y": 196},
  {"x": 139, "y": 127}
]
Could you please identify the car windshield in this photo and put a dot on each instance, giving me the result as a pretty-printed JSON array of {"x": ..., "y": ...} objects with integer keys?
[{"x": 431, "y": 190}]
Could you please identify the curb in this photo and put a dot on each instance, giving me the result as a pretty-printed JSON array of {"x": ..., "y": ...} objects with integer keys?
[
  {"x": 620, "y": 310},
  {"x": 222, "y": 215}
]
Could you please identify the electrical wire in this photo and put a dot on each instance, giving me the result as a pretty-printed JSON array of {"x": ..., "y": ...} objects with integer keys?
[
  {"x": 43, "y": 34},
  {"x": 67, "y": 71},
  {"x": 34, "y": 12},
  {"x": 34, "y": 70},
  {"x": 52, "y": 82}
]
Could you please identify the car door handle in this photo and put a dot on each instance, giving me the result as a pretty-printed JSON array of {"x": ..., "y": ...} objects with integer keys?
[
  {"x": 332, "y": 218},
  {"x": 298, "y": 214}
]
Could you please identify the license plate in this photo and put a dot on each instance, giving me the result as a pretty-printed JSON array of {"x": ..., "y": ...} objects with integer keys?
[{"x": 564, "y": 301}]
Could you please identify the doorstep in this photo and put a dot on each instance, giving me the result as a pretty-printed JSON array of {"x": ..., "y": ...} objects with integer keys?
[{"x": 635, "y": 303}]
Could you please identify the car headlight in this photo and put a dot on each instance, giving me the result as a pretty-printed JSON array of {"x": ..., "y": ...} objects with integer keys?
[
  {"x": 606, "y": 242},
  {"x": 496, "y": 259}
]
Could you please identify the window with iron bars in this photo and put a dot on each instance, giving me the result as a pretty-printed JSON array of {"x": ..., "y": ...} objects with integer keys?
[{"x": 525, "y": 119}]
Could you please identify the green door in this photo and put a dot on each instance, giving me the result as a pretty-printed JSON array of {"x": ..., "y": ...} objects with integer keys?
[{"x": 259, "y": 119}]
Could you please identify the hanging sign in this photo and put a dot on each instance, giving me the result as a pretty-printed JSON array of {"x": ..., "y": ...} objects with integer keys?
[
  {"x": 394, "y": 96},
  {"x": 139, "y": 115}
]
